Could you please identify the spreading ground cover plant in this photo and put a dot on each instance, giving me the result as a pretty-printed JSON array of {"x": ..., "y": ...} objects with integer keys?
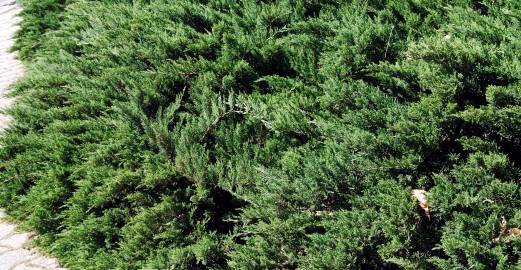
[{"x": 227, "y": 134}]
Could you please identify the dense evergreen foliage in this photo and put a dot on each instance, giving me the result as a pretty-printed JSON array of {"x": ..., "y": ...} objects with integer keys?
[{"x": 268, "y": 134}]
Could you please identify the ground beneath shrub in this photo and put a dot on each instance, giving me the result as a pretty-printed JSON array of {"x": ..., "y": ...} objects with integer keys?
[{"x": 14, "y": 253}]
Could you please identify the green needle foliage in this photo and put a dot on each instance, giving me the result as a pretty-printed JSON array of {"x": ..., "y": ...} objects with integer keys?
[{"x": 268, "y": 134}]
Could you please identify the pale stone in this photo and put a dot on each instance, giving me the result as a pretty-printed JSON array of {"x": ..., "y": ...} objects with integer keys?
[
  {"x": 13, "y": 251},
  {"x": 44, "y": 262},
  {"x": 6, "y": 230},
  {"x": 4, "y": 249},
  {"x": 16, "y": 240},
  {"x": 26, "y": 267},
  {"x": 14, "y": 257}
]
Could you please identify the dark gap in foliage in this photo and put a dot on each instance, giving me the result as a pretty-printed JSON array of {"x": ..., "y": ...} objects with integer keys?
[
  {"x": 219, "y": 205},
  {"x": 371, "y": 14},
  {"x": 480, "y": 7},
  {"x": 275, "y": 63},
  {"x": 428, "y": 235},
  {"x": 368, "y": 259},
  {"x": 315, "y": 229},
  {"x": 474, "y": 85},
  {"x": 297, "y": 138},
  {"x": 312, "y": 9},
  {"x": 513, "y": 256},
  {"x": 437, "y": 160},
  {"x": 410, "y": 92},
  {"x": 417, "y": 9},
  {"x": 512, "y": 148},
  {"x": 381, "y": 49},
  {"x": 197, "y": 22},
  {"x": 471, "y": 93}
]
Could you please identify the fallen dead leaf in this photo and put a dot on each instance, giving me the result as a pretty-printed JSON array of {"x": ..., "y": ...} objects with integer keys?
[
  {"x": 506, "y": 235},
  {"x": 421, "y": 196}
]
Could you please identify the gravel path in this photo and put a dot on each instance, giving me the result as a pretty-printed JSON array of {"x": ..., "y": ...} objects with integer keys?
[{"x": 14, "y": 251}]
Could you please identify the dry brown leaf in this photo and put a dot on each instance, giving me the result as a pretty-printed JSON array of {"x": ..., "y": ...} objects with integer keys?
[
  {"x": 514, "y": 232},
  {"x": 421, "y": 196},
  {"x": 506, "y": 234}
]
